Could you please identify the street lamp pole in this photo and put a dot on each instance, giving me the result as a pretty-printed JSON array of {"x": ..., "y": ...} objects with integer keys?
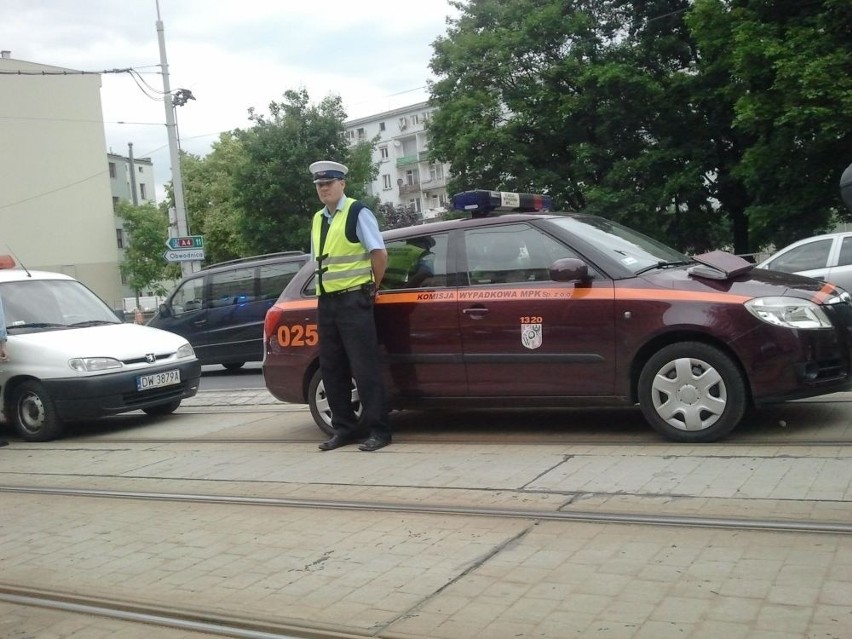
[{"x": 187, "y": 268}]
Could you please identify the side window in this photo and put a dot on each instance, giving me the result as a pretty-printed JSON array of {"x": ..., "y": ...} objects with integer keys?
[
  {"x": 845, "y": 258},
  {"x": 274, "y": 278},
  {"x": 511, "y": 253},
  {"x": 418, "y": 262},
  {"x": 809, "y": 256},
  {"x": 232, "y": 287},
  {"x": 189, "y": 297}
]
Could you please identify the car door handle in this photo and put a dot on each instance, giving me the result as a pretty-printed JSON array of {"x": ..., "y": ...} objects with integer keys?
[
  {"x": 477, "y": 310},
  {"x": 199, "y": 322}
]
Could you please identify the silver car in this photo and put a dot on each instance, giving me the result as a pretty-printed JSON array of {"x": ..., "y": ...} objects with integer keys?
[{"x": 822, "y": 257}]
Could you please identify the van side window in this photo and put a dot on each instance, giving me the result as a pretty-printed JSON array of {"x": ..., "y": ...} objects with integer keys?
[
  {"x": 275, "y": 277},
  {"x": 189, "y": 297},
  {"x": 230, "y": 287}
]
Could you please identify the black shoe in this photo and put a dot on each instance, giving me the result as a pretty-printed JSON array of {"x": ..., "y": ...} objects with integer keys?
[
  {"x": 336, "y": 442},
  {"x": 374, "y": 443}
]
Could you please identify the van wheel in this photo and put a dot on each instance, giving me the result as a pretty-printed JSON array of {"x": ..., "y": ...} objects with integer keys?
[
  {"x": 692, "y": 392},
  {"x": 163, "y": 409},
  {"x": 318, "y": 403},
  {"x": 232, "y": 366},
  {"x": 34, "y": 414}
]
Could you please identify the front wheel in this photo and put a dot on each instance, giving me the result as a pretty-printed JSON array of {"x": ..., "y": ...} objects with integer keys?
[
  {"x": 692, "y": 392},
  {"x": 34, "y": 414},
  {"x": 318, "y": 403},
  {"x": 233, "y": 366},
  {"x": 163, "y": 409}
]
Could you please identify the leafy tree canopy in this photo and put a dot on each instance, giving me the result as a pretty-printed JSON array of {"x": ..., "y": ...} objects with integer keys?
[
  {"x": 146, "y": 228},
  {"x": 681, "y": 118}
]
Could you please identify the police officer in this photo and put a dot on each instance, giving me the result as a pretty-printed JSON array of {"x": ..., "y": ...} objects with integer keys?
[{"x": 351, "y": 261}]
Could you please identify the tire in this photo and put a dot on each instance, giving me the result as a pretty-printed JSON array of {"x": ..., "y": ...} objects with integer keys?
[
  {"x": 163, "y": 409},
  {"x": 33, "y": 413},
  {"x": 692, "y": 392},
  {"x": 233, "y": 366},
  {"x": 319, "y": 404}
]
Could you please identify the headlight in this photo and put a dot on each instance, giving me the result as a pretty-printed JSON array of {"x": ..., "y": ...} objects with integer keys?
[
  {"x": 790, "y": 312},
  {"x": 92, "y": 364},
  {"x": 185, "y": 351}
]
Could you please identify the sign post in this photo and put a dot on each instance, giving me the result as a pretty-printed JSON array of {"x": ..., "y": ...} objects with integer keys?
[{"x": 189, "y": 248}]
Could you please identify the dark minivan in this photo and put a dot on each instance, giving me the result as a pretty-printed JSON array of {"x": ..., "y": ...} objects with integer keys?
[{"x": 220, "y": 309}]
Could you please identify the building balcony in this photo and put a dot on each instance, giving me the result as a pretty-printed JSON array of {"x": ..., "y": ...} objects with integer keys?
[
  {"x": 409, "y": 189},
  {"x": 434, "y": 183},
  {"x": 407, "y": 160}
]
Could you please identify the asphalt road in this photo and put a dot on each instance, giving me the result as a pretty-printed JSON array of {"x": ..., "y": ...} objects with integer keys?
[{"x": 216, "y": 377}]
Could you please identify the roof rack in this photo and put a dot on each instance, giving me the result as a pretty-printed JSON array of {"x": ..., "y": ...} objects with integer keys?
[
  {"x": 253, "y": 258},
  {"x": 481, "y": 202}
]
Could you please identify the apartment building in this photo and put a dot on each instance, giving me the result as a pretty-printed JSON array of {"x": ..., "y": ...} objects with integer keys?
[
  {"x": 130, "y": 179},
  {"x": 55, "y": 202},
  {"x": 406, "y": 175}
]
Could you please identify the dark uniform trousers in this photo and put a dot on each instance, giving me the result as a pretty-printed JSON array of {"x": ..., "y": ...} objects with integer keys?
[{"x": 349, "y": 349}]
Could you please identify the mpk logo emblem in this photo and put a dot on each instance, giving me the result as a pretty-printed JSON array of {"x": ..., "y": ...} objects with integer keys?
[{"x": 531, "y": 336}]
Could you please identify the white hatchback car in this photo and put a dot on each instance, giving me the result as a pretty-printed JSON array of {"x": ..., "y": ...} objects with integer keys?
[
  {"x": 72, "y": 359},
  {"x": 822, "y": 257}
]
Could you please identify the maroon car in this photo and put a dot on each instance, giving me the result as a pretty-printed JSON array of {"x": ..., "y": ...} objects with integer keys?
[{"x": 546, "y": 310}]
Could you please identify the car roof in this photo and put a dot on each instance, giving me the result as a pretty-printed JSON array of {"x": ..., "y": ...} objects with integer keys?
[
  {"x": 468, "y": 222},
  {"x": 284, "y": 256},
  {"x": 20, "y": 275}
]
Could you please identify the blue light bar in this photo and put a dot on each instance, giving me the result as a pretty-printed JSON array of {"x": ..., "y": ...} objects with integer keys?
[{"x": 481, "y": 202}]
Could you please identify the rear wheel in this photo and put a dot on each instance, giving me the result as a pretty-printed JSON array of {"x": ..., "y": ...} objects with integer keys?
[
  {"x": 163, "y": 409},
  {"x": 34, "y": 414},
  {"x": 692, "y": 392},
  {"x": 318, "y": 403},
  {"x": 232, "y": 366}
]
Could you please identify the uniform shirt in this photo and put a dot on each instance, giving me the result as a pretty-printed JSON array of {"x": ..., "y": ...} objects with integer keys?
[{"x": 367, "y": 229}]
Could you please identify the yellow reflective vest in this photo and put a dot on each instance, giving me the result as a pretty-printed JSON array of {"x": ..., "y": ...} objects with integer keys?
[{"x": 343, "y": 264}]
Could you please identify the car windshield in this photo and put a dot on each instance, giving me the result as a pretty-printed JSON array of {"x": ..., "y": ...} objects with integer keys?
[
  {"x": 40, "y": 305},
  {"x": 635, "y": 251}
]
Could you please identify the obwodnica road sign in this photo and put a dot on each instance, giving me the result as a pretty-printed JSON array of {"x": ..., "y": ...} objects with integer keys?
[{"x": 189, "y": 248}]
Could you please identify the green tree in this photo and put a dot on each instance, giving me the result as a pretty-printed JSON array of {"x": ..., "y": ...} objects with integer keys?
[
  {"x": 144, "y": 267},
  {"x": 210, "y": 201},
  {"x": 698, "y": 122},
  {"x": 781, "y": 70},
  {"x": 271, "y": 184}
]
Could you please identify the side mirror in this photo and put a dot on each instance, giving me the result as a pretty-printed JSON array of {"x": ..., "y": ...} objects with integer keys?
[
  {"x": 164, "y": 311},
  {"x": 569, "y": 269}
]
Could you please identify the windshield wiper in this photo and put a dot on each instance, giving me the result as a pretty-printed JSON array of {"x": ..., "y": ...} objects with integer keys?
[
  {"x": 92, "y": 323},
  {"x": 661, "y": 264},
  {"x": 36, "y": 325}
]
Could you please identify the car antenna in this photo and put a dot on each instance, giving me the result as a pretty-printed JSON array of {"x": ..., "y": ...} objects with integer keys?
[{"x": 19, "y": 261}]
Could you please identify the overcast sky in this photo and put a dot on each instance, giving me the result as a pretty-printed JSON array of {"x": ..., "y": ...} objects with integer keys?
[{"x": 232, "y": 55}]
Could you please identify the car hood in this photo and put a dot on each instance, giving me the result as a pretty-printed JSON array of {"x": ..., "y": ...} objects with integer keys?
[
  {"x": 752, "y": 283},
  {"x": 121, "y": 341}
]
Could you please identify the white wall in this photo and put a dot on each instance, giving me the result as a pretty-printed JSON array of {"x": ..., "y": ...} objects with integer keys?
[{"x": 55, "y": 200}]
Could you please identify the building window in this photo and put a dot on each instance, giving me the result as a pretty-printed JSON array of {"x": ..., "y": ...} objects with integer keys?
[
  {"x": 362, "y": 135},
  {"x": 143, "y": 192},
  {"x": 386, "y": 181},
  {"x": 383, "y": 153},
  {"x": 112, "y": 170},
  {"x": 349, "y": 135},
  {"x": 140, "y": 169},
  {"x": 115, "y": 201},
  {"x": 415, "y": 119},
  {"x": 119, "y": 238},
  {"x": 436, "y": 171},
  {"x": 381, "y": 126}
]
